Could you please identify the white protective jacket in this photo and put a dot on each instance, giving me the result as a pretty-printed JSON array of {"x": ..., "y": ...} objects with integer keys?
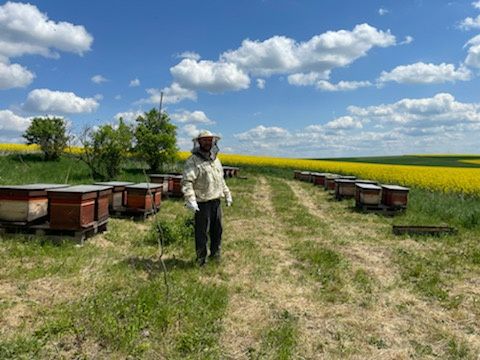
[{"x": 203, "y": 179}]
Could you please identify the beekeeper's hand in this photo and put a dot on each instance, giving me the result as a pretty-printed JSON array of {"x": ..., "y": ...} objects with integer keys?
[
  {"x": 229, "y": 200},
  {"x": 192, "y": 205}
]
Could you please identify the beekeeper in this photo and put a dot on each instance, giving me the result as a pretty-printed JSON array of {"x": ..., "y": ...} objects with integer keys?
[{"x": 203, "y": 186}]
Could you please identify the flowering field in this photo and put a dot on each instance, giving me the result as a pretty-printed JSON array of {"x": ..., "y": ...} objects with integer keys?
[{"x": 445, "y": 179}]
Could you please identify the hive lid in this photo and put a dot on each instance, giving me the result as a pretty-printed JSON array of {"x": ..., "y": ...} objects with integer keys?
[
  {"x": 345, "y": 181},
  {"x": 159, "y": 175},
  {"x": 145, "y": 186},
  {"x": 177, "y": 176},
  {"x": 33, "y": 187},
  {"x": 368, "y": 186},
  {"x": 332, "y": 176},
  {"x": 348, "y": 177},
  {"x": 363, "y": 181},
  {"x": 395, "y": 187},
  {"x": 115, "y": 183},
  {"x": 305, "y": 172},
  {"x": 80, "y": 189}
]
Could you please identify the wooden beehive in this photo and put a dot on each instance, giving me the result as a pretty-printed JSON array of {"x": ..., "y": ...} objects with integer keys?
[
  {"x": 344, "y": 188},
  {"x": 25, "y": 203},
  {"x": 329, "y": 183},
  {"x": 319, "y": 178},
  {"x": 78, "y": 207},
  {"x": 175, "y": 186},
  {"x": 296, "y": 174},
  {"x": 230, "y": 171},
  {"x": 367, "y": 194},
  {"x": 395, "y": 196},
  {"x": 163, "y": 179},
  {"x": 118, "y": 197},
  {"x": 139, "y": 197},
  {"x": 305, "y": 176}
]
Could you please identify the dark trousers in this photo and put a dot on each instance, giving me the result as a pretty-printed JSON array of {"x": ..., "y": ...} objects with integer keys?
[{"x": 208, "y": 221}]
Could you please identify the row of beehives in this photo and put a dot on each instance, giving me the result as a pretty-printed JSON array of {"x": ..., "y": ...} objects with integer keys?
[
  {"x": 368, "y": 194},
  {"x": 78, "y": 207}
]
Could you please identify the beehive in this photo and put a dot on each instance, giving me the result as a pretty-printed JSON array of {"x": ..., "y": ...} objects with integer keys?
[
  {"x": 367, "y": 194},
  {"x": 344, "y": 188},
  {"x": 25, "y": 203},
  {"x": 118, "y": 197},
  {"x": 139, "y": 197},
  {"x": 395, "y": 196},
  {"x": 319, "y": 178},
  {"x": 305, "y": 176},
  {"x": 329, "y": 183},
  {"x": 78, "y": 207},
  {"x": 163, "y": 179},
  {"x": 296, "y": 174},
  {"x": 175, "y": 186},
  {"x": 230, "y": 171}
]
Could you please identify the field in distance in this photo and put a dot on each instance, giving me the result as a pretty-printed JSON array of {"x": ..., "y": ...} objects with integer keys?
[{"x": 470, "y": 161}]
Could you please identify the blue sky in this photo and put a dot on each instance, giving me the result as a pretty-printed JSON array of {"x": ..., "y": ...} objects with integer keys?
[{"x": 287, "y": 78}]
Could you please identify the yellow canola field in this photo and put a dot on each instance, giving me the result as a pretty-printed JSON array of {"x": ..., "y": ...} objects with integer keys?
[{"x": 445, "y": 179}]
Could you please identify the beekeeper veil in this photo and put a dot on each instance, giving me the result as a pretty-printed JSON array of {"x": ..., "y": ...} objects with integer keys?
[{"x": 197, "y": 146}]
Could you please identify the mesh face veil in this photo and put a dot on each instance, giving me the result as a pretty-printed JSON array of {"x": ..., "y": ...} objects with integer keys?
[{"x": 213, "y": 151}]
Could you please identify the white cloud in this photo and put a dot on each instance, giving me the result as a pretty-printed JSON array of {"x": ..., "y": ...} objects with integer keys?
[
  {"x": 383, "y": 11},
  {"x": 342, "y": 85},
  {"x": 14, "y": 76},
  {"x": 171, "y": 95},
  {"x": 189, "y": 55},
  {"x": 318, "y": 80},
  {"x": 261, "y": 84},
  {"x": 408, "y": 40},
  {"x": 439, "y": 109},
  {"x": 322, "y": 53},
  {"x": 192, "y": 117},
  {"x": 134, "y": 83},
  {"x": 12, "y": 122},
  {"x": 470, "y": 23},
  {"x": 98, "y": 79},
  {"x": 98, "y": 97},
  {"x": 422, "y": 73},
  {"x": 344, "y": 123},
  {"x": 128, "y": 116},
  {"x": 261, "y": 133},
  {"x": 190, "y": 130},
  {"x": 45, "y": 100},
  {"x": 25, "y": 30},
  {"x": 476, "y": 4},
  {"x": 209, "y": 75},
  {"x": 473, "y": 56},
  {"x": 118, "y": 97}
]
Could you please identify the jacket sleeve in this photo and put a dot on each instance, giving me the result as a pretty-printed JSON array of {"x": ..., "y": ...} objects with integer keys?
[
  {"x": 190, "y": 174},
  {"x": 225, "y": 189}
]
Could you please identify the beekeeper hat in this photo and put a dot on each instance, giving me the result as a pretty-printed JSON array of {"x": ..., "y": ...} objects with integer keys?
[{"x": 207, "y": 134}]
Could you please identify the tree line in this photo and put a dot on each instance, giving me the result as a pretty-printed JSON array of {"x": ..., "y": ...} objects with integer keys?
[{"x": 106, "y": 148}]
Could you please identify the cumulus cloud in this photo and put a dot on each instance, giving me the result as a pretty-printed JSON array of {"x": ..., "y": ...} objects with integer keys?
[
  {"x": 408, "y": 40},
  {"x": 261, "y": 84},
  {"x": 318, "y": 80},
  {"x": 128, "y": 116},
  {"x": 281, "y": 55},
  {"x": 45, "y": 100},
  {"x": 322, "y": 53},
  {"x": 211, "y": 76},
  {"x": 470, "y": 23},
  {"x": 441, "y": 108},
  {"x": 12, "y": 122},
  {"x": 171, "y": 95},
  {"x": 98, "y": 79},
  {"x": 14, "y": 76},
  {"x": 403, "y": 126},
  {"x": 192, "y": 117},
  {"x": 473, "y": 56},
  {"x": 24, "y": 30},
  {"x": 476, "y": 4},
  {"x": 422, "y": 73},
  {"x": 134, "y": 83}
]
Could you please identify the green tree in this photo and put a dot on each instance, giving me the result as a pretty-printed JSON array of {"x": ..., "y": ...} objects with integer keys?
[
  {"x": 106, "y": 149},
  {"x": 50, "y": 134},
  {"x": 156, "y": 139}
]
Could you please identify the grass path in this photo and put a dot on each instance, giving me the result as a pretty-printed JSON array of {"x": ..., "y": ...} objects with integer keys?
[{"x": 302, "y": 277}]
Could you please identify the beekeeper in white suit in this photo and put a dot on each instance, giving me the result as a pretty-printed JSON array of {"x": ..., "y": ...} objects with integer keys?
[{"x": 203, "y": 186}]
